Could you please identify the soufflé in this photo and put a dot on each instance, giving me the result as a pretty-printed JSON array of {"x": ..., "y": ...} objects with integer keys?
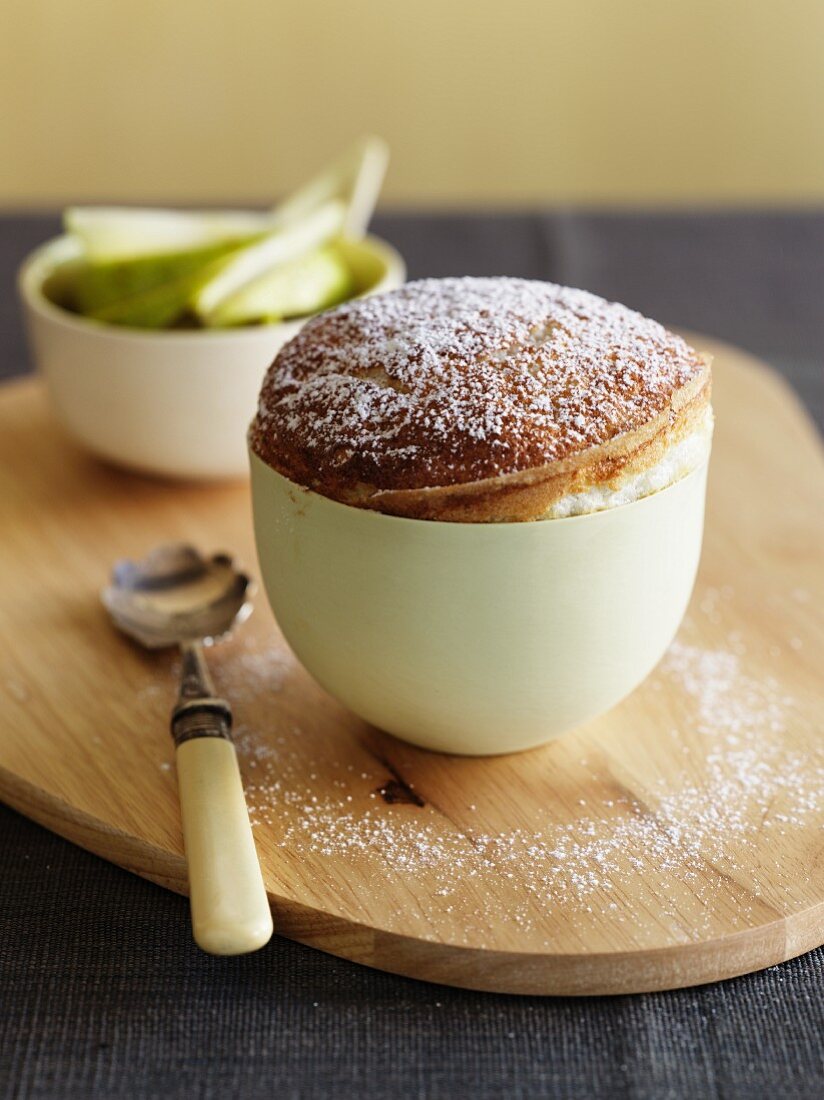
[{"x": 479, "y": 400}]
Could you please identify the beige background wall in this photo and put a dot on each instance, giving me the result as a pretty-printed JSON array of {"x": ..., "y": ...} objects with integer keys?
[{"x": 505, "y": 102}]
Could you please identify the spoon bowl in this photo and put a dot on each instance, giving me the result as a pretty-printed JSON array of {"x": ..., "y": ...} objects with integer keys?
[{"x": 175, "y": 595}]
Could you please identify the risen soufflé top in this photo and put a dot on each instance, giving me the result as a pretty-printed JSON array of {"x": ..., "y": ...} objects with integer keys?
[{"x": 475, "y": 398}]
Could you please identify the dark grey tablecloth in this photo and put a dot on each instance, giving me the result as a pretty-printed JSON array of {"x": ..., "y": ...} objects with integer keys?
[{"x": 102, "y": 993}]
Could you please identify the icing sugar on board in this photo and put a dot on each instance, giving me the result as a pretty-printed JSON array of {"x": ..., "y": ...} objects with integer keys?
[{"x": 677, "y": 840}]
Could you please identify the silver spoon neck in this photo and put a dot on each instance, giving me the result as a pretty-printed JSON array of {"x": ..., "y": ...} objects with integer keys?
[
  {"x": 195, "y": 680},
  {"x": 198, "y": 713}
]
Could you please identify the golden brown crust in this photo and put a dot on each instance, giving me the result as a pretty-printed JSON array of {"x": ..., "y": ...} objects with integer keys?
[
  {"x": 529, "y": 494},
  {"x": 476, "y": 400}
]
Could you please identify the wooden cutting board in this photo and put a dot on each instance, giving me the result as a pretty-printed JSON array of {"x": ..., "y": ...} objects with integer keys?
[{"x": 675, "y": 841}]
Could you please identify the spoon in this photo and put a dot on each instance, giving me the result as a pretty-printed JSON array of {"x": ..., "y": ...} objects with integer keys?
[{"x": 176, "y": 597}]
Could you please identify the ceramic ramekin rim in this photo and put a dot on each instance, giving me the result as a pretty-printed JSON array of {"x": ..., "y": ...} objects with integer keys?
[
  {"x": 523, "y": 525},
  {"x": 31, "y": 274}
]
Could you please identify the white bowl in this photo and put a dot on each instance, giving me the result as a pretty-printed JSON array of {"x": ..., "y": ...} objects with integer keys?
[
  {"x": 175, "y": 403},
  {"x": 477, "y": 638}
]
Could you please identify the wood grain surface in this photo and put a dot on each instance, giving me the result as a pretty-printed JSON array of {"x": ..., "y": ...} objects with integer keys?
[{"x": 677, "y": 840}]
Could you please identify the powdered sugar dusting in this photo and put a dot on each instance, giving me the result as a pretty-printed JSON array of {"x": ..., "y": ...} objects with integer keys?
[
  {"x": 447, "y": 381},
  {"x": 739, "y": 783}
]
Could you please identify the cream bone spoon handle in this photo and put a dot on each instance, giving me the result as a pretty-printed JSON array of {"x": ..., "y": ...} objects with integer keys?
[{"x": 230, "y": 910}]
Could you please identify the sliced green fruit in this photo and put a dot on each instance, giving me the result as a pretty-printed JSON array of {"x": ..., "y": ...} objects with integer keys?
[
  {"x": 263, "y": 256},
  {"x": 159, "y": 308},
  {"x": 105, "y": 290},
  {"x": 96, "y": 288},
  {"x": 306, "y": 285},
  {"x": 149, "y": 268},
  {"x": 354, "y": 179},
  {"x": 110, "y": 233}
]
